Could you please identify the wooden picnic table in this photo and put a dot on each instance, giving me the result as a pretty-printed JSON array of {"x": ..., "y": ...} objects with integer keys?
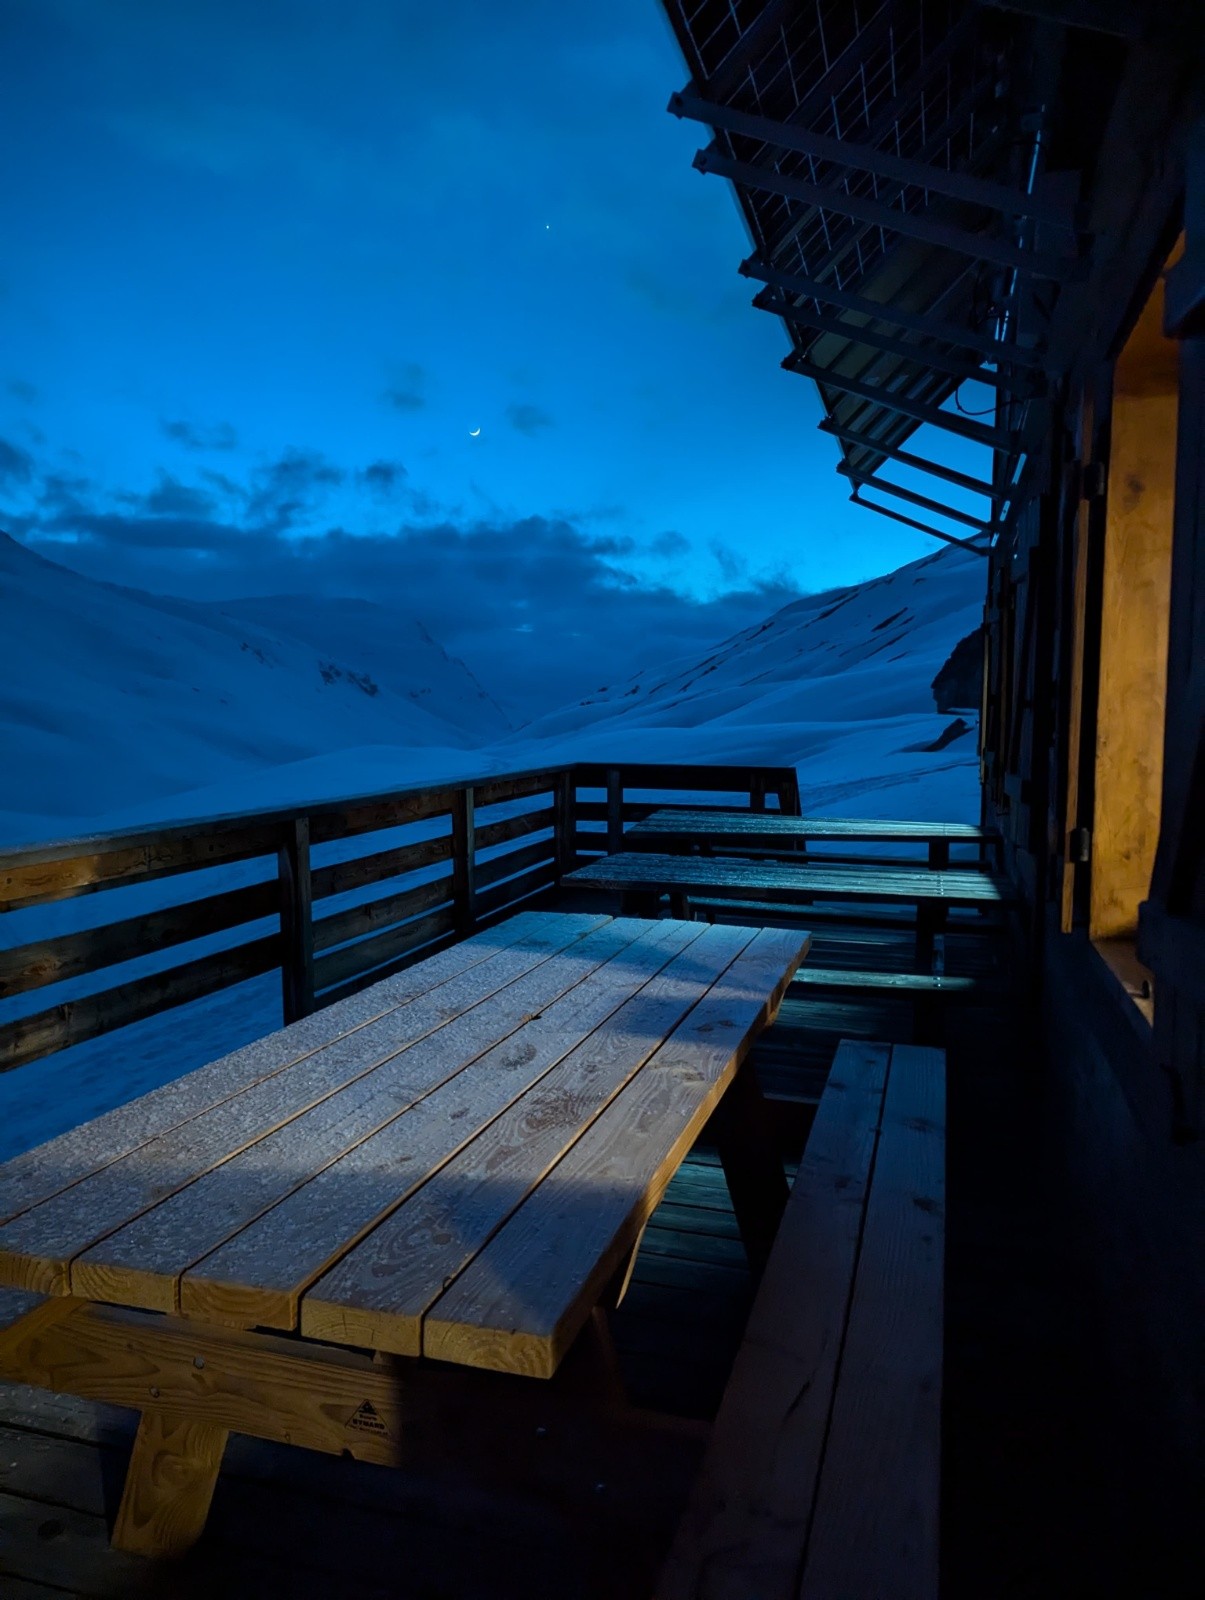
[
  {"x": 641, "y": 877},
  {"x": 708, "y": 829},
  {"x": 456, "y": 1163}
]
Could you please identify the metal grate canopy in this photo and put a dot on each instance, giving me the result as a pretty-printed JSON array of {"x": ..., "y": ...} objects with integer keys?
[{"x": 888, "y": 160}]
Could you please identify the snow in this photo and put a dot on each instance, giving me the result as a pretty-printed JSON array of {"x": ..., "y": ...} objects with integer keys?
[{"x": 119, "y": 708}]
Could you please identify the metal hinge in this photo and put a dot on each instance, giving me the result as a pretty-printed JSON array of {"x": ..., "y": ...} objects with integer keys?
[{"x": 1079, "y": 845}]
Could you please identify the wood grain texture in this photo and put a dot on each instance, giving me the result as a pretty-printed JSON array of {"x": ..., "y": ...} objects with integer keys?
[
  {"x": 769, "y": 828},
  {"x": 169, "y": 1485},
  {"x": 251, "y": 1383},
  {"x": 141, "y": 1263},
  {"x": 523, "y": 1299},
  {"x": 51, "y": 1167},
  {"x": 875, "y": 1528},
  {"x": 37, "y": 1247},
  {"x": 704, "y": 875},
  {"x": 379, "y": 1293},
  {"x": 750, "y": 1512}
]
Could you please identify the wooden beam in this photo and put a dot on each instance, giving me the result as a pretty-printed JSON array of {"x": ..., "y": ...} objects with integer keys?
[
  {"x": 464, "y": 860},
  {"x": 169, "y": 1485},
  {"x": 932, "y": 326},
  {"x": 296, "y": 921},
  {"x": 792, "y": 135},
  {"x": 911, "y": 224},
  {"x": 937, "y": 469},
  {"x": 868, "y": 481},
  {"x": 924, "y": 355},
  {"x": 917, "y": 410},
  {"x": 921, "y": 527}
]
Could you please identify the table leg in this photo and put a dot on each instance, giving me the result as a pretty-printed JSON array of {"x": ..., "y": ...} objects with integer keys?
[
  {"x": 930, "y": 920},
  {"x": 752, "y": 1163},
  {"x": 679, "y": 907},
  {"x": 169, "y": 1485},
  {"x": 939, "y": 853}
]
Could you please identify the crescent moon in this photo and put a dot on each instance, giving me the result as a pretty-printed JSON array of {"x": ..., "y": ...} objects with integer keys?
[{"x": 473, "y": 432}]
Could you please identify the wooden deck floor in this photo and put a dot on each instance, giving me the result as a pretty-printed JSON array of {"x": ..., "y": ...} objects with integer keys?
[{"x": 1026, "y": 1507}]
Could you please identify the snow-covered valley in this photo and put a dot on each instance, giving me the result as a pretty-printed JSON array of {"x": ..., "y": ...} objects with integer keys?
[{"x": 119, "y": 707}]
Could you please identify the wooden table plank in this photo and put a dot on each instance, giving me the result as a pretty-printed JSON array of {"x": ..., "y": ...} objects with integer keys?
[
  {"x": 37, "y": 1247},
  {"x": 523, "y": 1299},
  {"x": 756, "y": 827},
  {"x": 51, "y": 1167},
  {"x": 751, "y": 1507},
  {"x": 258, "y": 1275},
  {"x": 723, "y": 877},
  {"x": 141, "y": 1263},
  {"x": 377, "y": 1294},
  {"x": 886, "y": 1418}
]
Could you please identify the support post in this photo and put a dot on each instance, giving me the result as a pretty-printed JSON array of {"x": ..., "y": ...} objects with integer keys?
[
  {"x": 296, "y": 921},
  {"x": 169, "y": 1485},
  {"x": 566, "y": 822},
  {"x": 752, "y": 1163},
  {"x": 614, "y": 811},
  {"x": 757, "y": 792},
  {"x": 464, "y": 861}
]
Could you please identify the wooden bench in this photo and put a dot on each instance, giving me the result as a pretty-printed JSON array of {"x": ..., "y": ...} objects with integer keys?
[
  {"x": 641, "y": 879},
  {"x": 821, "y": 1480}
]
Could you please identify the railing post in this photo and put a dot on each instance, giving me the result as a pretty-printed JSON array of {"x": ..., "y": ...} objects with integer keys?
[
  {"x": 464, "y": 861},
  {"x": 614, "y": 811},
  {"x": 296, "y": 920},
  {"x": 566, "y": 822}
]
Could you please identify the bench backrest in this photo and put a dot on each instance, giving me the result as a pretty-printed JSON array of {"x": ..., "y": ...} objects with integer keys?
[{"x": 822, "y": 1475}]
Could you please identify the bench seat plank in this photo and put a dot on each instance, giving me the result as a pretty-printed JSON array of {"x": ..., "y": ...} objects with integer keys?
[
  {"x": 743, "y": 1535},
  {"x": 875, "y": 1528}
]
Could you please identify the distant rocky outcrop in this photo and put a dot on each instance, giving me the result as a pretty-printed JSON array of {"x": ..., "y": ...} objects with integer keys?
[{"x": 958, "y": 685}]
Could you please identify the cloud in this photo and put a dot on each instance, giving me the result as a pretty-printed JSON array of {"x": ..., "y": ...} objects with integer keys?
[
  {"x": 670, "y": 544},
  {"x": 404, "y": 399},
  {"x": 20, "y": 390},
  {"x": 543, "y": 609},
  {"x": 528, "y": 419},
  {"x": 382, "y": 477},
  {"x": 221, "y": 436},
  {"x": 407, "y": 392},
  {"x": 16, "y": 465}
]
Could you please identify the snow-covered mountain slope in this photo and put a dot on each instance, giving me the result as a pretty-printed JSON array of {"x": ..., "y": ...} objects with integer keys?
[
  {"x": 110, "y": 696},
  {"x": 837, "y": 684}
]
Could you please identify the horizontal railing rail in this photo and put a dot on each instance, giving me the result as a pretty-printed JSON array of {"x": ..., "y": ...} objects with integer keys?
[{"x": 335, "y": 895}]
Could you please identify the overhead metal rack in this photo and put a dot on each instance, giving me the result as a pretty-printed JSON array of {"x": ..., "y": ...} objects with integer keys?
[{"x": 887, "y": 158}]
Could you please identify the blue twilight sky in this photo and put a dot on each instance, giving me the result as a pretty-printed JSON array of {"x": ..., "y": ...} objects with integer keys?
[{"x": 269, "y": 266}]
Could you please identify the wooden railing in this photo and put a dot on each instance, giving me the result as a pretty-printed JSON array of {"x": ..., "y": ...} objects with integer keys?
[{"x": 299, "y": 890}]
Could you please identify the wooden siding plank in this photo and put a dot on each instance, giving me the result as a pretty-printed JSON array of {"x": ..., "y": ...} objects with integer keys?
[
  {"x": 875, "y": 1528},
  {"x": 490, "y": 834},
  {"x": 751, "y": 1508},
  {"x": 260, "y": 1273},
  {"x": 42, "y": 1172},
  {"x": 377, "y": 1295},
  {"x": 32, "y": 966},
  {"x": 361, "y": 871},
  {"x": 72, "y": 1021},
  {"x": 30, "y": 883},
  {"x": 389, "y": 909},
  {"x": 424, "y": 1085},
  {"x": 518, "y": 1306}
]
